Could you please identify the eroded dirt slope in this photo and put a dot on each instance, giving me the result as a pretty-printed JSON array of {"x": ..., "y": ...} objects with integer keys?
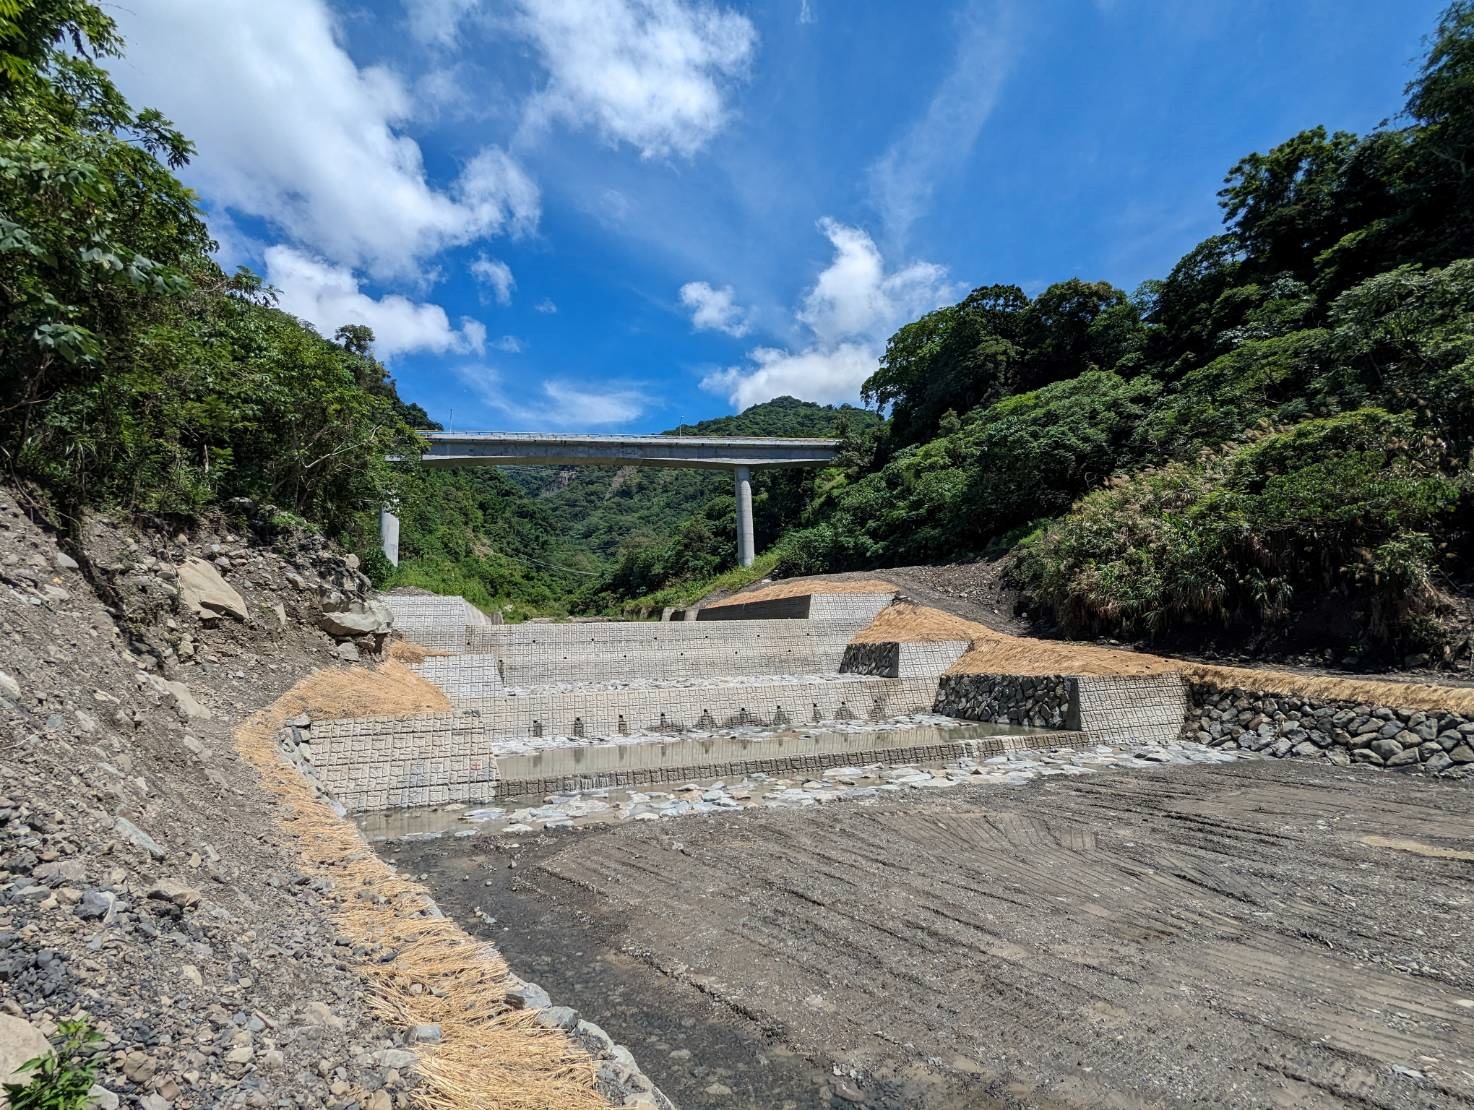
[{"x": 143, "y": 880}]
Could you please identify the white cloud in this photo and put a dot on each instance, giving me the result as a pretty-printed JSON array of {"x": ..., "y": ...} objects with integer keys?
[
  {"x": 509, "y": 343},
  {"x": 715, "y": 309},
  {"x": 806, "y": 12},
  {"x": 561, "y": 404},
  {"x": 328, "y": 296},
  {"x": 437, "y": 21},
  {"x": 652, "y": 73},
  {"x": 937, "y": 144},
  {"x": 854, "y": 296},
  {"x": 824, "y": 374},
  {"x": 290, "y": 130},
  {"x": 583, "y": 407},
  {"x": 496, "y": 276},
  {"x": 852, "y": 309},
  {"x": 545, "y": 306}
]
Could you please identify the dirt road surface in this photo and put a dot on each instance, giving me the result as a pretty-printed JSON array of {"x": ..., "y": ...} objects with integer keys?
[{"x": 1253, "y": 934}]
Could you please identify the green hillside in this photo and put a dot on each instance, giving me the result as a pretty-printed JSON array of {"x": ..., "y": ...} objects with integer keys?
[{"x": 1271, "y": 443}]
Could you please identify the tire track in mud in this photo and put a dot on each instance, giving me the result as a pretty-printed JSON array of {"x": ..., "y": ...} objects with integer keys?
[{"x": 1199, "y": 934}]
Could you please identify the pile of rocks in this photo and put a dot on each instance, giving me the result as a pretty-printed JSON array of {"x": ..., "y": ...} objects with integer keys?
[
  {"x": 1042, "y": 701},
  {"x": 620, "y": 1079},
  {"x": 239, "y": 582},
  {"x": 144, "y": 882},
  {"x": 1343, "y": 732}
]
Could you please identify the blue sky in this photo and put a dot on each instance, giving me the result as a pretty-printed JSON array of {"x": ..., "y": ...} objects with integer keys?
[{"x": 625, "y": 214}]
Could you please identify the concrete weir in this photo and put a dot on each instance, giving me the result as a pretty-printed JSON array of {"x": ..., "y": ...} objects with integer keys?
[{"x": 621, "y": 702}]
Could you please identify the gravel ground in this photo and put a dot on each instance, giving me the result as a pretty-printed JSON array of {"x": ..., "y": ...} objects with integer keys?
[
  {"x": 1247, "y": 933},
  {"x": 144, "y": 883}
]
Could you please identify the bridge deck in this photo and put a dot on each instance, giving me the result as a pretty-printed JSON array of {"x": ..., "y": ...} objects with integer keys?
[{"x": 703, "y": 452}]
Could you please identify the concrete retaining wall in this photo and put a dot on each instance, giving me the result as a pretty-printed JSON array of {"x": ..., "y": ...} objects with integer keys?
[
  {"x": 690, "y": 652},
  {"x": 592, "y": 638},
  {"x": 1147, "y": 709},
  {"x": 808, "y": 764},
  {"x": 815, "y": 607},
  {"x": 442, "y": 623},
  {"x": 440, "y": 758},
  {"x": 1342, "y": 731},
  {"x": 890, "y": 659}
]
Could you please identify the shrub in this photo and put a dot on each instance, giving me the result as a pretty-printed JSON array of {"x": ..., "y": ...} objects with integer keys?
[
  {"x": 61, "y": 1080},
  {"x": 1340, "y": 506}
]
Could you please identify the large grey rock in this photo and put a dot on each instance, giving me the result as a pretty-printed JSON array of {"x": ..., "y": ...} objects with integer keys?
[
  {"x": 1386, "y": 747},
  {"x": 357, "y": 618},
  {"x": 206, "y": 593},
  {"x": 19, "y": 1041},
  {"x": 184, "y": 702},
  {"x": 138, "y": 838}
]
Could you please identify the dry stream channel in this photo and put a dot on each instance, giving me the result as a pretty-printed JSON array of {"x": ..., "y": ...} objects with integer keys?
[{"x": 1165, "y": 925}]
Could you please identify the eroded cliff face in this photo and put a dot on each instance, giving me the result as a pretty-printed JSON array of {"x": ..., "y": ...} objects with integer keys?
[{"x": 144, "y": 880}]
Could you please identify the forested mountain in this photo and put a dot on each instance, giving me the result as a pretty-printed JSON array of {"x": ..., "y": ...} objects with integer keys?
[
  {"x": 657, "y": 524},
  {"x": 1272, "y": 440}
]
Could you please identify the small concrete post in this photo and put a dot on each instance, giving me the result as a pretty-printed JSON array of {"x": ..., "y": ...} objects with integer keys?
[
  {"x": 745, "y": 551},
  {"x": 389, "y": 534}
]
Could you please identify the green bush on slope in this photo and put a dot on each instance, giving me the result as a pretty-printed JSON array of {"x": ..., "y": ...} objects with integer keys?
[{"x": 1335, "y": 509}]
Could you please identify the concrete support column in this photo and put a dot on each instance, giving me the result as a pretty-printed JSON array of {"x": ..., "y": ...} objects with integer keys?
[
  {"x": 389, "y": 534},
  {"x": 745, "y": 548}
]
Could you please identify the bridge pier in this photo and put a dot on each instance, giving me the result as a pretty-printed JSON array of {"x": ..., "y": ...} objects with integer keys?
[
  {"x": 745, "y": 546},
  {"x": 739, "y": 454},
  {"x": 389, "y": 534}
]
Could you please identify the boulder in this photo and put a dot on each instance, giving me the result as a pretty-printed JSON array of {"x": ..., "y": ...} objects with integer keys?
[
  {"x": 184, "y": 701},
  {"x": 356, "y": 618},
  {"x": 19, "y": 1041},
  {"x": 206, "y": 593}
]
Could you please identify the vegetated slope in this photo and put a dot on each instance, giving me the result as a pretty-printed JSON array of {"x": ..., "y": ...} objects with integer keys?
[
  {"x": 634, "y": 523},
  {"x": 1270, "y": 447},
  {"x": 137, "y": 375}
]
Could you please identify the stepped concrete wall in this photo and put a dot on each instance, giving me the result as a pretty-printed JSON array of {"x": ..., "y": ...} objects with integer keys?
[
  {"x": 816, "y": 607},
  {"x": 1147, "y": 709},
  {"x": 480, "y": 674},
  {"x": 442, "y": 623},
  {"x": 378, "y": 762},
  {"x": 686, "y": 760}
]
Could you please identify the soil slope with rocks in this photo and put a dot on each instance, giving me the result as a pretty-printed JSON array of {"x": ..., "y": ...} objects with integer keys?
[{"x": 144, "y": 883}]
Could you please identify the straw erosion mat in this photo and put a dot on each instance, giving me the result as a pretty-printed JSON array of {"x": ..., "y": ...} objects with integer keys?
[
  {"x": 993, "y": 652},
  {"x": 489, "y": 1054}
]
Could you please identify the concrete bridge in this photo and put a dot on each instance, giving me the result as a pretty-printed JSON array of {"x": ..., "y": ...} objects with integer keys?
[{"x": 739, "y": 454}]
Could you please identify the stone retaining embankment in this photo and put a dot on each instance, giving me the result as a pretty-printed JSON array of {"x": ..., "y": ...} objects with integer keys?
[
  {"x": 1342, "y": 731},
  {"x": 1110, "y": 710},
  {"x": 891, "y": 659}
]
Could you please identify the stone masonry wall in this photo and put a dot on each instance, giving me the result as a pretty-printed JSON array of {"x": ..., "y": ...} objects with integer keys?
[
  {"x": 890, "y": 659},
  {"x": 1344, "y": 732},
  {"x": 1148, "y": 709},
  {"x": 1041, "y": 701}
]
